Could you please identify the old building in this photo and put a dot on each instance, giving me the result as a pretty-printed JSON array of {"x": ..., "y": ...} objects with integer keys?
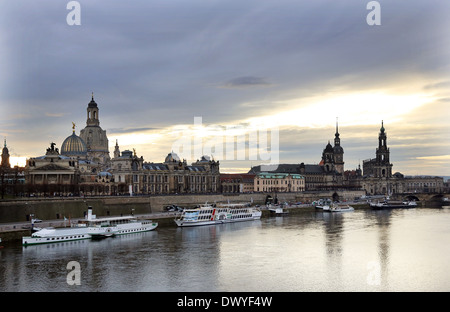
[
  {"x": 237, "y": 182},
  {"x": 94, "y": 136},
  {"x": 84, "y": 167},
  {"x": 12, "y": 180},
  {"x": 52, "y": 173},
  {"x": 132, "y": 175},
  {"x": 377, "y": 178},
  {"x": 279, "y": 182},
  {"x": 327, "y": 174}
]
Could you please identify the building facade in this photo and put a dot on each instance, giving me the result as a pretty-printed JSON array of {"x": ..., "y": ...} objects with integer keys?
[
  {"x": 327, "y": 174},
  {"x": 12, "y": 180},
  {"x": 94, "y": 136},
  {"x": 131, "y": 175},
  {"x": 377, "y": 178},
  {"x": 237, "y": 182},
  {"x": 83, "y": 166},
  {"x": 279, "y": 182},
  {"x": 52, "y": 174}
]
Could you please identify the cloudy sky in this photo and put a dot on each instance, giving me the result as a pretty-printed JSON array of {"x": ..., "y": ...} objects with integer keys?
[{"x": 250, "y": 71}]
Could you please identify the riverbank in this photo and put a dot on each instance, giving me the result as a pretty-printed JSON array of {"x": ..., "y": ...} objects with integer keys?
[{"x": 10, "y": 232}]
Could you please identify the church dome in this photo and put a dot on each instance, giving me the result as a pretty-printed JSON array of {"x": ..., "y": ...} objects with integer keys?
[
  {"x": 329, "y": 148},
  {"x": 92, "y": 103},
  {"x": 172, "y": 157},
  {"x": 73, "y": 146},
  {"x": 338, "y": 149}
]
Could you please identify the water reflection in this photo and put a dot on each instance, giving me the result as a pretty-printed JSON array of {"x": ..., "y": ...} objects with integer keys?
[
  {"x": 383, "y": 222},
  {"x": 364, "y": 250}
]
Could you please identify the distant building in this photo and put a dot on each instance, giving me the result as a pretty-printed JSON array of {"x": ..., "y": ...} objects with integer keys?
[
  {"x": 378, "y": 179},
  {"x": 237, "y": 182},
  {"x": 132, "y": 175},
  {"x": 52, "y": 173},
  {"x": 12, "y": 180},
  {"x": 84, "y": 167},
  {"x": 279, "y": 182},
  {"x": 94, "y": 136},
  {"x": 328, "y": 174},
  {"x": 5, "y": 157}
]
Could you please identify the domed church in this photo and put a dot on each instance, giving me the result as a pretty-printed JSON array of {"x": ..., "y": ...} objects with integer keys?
[
  {"x": 94, "y": 136},
  {"x": 74, "y": 146}
]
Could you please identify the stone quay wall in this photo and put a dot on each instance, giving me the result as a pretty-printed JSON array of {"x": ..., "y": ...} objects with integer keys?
[
  {"x": 58, "y": 208},
  {"x": 75, "y": 207}
]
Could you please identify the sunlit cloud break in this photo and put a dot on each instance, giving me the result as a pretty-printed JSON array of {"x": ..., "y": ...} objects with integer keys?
[{"x": 359, "y": 108}]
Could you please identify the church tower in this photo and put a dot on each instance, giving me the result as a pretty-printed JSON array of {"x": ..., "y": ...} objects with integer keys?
[
  {"x": 328, "y": 159},
  {"x": 383, "y": 168},
  {"x": 116, "y": 150},
  {"x": 94, "y": 136},
  {"x": 338, "y": 152},
  {"x": 5, "y": 157},
  {"x": 92, "y": 113}
]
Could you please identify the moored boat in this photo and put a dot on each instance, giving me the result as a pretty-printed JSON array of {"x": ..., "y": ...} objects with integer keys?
[
  {"x": 340, "y": 208},
  {"x": 388, "y": 204},
  {"x": 55, "y": 235},
  {"x": 278, "y": 210},
  {"x": 91, "y": 227},
  {"x": 323, "y": 204},
  {"x": 209, "y": 214}
]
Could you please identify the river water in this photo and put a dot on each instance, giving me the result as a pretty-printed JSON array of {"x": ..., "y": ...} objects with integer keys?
[{"x": 364, "y": 250}]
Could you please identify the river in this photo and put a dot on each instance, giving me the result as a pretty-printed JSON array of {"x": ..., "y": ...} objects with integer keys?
[{"x": 364, "y": 250}]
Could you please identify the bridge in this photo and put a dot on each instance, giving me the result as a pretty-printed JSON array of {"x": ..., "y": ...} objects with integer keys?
[{"x": 423, "y": 197}]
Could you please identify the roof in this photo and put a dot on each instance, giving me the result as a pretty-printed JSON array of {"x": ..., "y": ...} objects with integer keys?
[
  {"x": 268, "y": 175},
  {"x": 154, "y": 166},
  {"x": 196, "y": 168},
  {"x": 73, "y": 145},
  {"x": 291, "y": 168}
]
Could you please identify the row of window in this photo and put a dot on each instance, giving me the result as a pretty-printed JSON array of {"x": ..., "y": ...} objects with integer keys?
[
  {"x": 165, "y": 178},
  {"x": 66, "y": 237},
  {"x": 272, "y": 182},
  {"x": 241, "y": 216},
  {"x": 133, "y": 230},
  {"x": 279, "y": 189}
]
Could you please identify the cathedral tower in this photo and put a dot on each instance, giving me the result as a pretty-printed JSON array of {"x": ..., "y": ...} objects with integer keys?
[
  {"x": 338, "y": 152},
  {"x": 5, "y": 157},
  {"x": 383, "y": 168},
  {"x": 94, "y": 136},
  {"x": 328, "y": 158}
]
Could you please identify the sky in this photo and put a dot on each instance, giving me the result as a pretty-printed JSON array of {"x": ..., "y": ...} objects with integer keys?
[{"x": 247, "y": 82}]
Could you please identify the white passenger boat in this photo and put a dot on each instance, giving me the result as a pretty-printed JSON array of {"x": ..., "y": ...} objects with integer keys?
[
  {"x": 208, "y": 214},
  {"x": 340, "y": 208},
  {"x": 55, "y": 235},
  {"x": 393, "y": 204},
  {"x": 324, "y": 204},
  {"x": 91, "y": 227},
  {"x": 278, "y": 210}
]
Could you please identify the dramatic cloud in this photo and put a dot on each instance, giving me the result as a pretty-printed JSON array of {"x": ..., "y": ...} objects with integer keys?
[
  {"x": 246, "y": 82},
  {"x": 155, "y": 65}
]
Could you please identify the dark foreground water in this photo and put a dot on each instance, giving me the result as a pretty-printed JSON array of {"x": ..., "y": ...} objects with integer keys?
[{"x": 364, "y": 250}]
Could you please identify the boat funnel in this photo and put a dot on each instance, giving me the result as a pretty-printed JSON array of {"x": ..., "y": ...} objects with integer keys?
[{"x": 90, "y": 216}]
